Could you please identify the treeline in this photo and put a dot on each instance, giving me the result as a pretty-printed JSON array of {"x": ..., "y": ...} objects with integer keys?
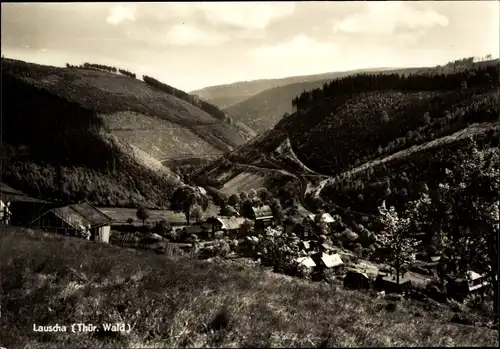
[
  {"x": 192, "y": 99},
  {"x": 468, "y": 78},
  {"x": 102, "y": 67}
]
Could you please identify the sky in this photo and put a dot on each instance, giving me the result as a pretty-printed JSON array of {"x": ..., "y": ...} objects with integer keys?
[{"x": 191, "y": 45}]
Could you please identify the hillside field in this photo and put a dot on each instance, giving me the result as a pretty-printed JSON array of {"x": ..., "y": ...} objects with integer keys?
[{"x": 178, "y": 302}]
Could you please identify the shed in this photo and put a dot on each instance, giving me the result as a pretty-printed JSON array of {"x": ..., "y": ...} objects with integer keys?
[
  {"x": 70, "y": 219},
  {"x": 263, "y": 216}
]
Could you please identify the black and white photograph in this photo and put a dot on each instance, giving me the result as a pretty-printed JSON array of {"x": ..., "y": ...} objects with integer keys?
[{"x": 313, "y": 174}]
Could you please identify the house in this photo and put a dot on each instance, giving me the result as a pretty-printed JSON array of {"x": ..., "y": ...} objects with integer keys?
[
  {"x": 355, "y": 279},
  {"x": 328, "y": 261},
  {"x": 263, "y": 216},
  {"x": 5, "y": 212},
  {"x": 390, "y": 285},
  {"x": 21, "y": 209},
  {"x": 459, "y": 288},
  {"x": 70, "y": 220},
  {"x": 230, "y": 225},
  {"x": 325, "y": 217},
  {"x": 308, "y": 262}
]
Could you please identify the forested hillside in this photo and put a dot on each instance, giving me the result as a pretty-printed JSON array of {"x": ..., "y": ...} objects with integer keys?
[
  {"x": 263, "y": 110},
  {"x": 357, "y": 118},
  {"x": 227, "y": 95},
  {"x": 71, "y": 133}
]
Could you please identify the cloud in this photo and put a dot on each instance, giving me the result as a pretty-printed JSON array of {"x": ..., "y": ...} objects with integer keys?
[
  {"x": 256, "y": 15},
  {"x": 299, "y": 46},
  {"x": 120, "y": 13},
  {"x": 246, "y": 15},
  {"x": 390, "y": 17},
  {"x": 184, "y": 35}
]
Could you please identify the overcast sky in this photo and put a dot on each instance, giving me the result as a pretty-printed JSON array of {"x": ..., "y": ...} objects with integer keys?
[{"x": 193, "y": 45}]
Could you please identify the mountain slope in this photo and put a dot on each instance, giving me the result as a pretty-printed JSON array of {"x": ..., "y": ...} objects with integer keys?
[
  {"x": 74, "y": 133},
  {"x": 357, "y": 119},
  {"x": 263, "y": 110},
  {"x": 227, "y": 95}
]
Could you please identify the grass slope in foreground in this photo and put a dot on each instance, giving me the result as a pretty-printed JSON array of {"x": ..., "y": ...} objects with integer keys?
[
  {"x": 71, "y": 133},
  {"x": 172, "y": 302}
]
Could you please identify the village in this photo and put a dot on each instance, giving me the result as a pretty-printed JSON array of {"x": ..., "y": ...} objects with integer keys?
[{"x": 312, "y": 246}]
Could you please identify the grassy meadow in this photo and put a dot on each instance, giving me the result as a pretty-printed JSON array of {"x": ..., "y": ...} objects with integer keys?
[{"x": 173, "y": 301}]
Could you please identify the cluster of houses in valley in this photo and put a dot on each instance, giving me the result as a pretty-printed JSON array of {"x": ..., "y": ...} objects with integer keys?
[{"x": 93, "y": 223}]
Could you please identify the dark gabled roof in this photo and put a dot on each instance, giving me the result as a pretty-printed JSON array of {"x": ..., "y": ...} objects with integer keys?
[
  {"x": 8, "y": 193},
  {"x": 91, "y": 213},
  {"x": 263, "y": 212},
  {"x": 81, "y": 214}
]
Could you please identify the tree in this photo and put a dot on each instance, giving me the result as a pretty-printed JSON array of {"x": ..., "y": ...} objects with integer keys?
[
  {"x": 162, "y": 227},
  {"x": 247, "y": 209},
  {"x": 185, "y": 197},
  {"x": 243, "y": 196},
  {"x": 263, "y": 195},
  {"x": 469, "y": 213},
  {"x": 234, "y": 200},
  {"x": 197, "y": 213},
  {"x": 247, "y": 228},
  {"x": 396, "y": 239},
  {"x": 142, "y": 214},
  {"x": 252, "y": 194},
  {"x": 277, "y": 211},
  {"x": 130, "y": 221}
]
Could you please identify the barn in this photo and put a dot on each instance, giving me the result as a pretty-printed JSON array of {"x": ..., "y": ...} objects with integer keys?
[{"x": 69, "y": 220}]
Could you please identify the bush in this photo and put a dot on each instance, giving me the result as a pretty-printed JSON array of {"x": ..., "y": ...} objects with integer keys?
[{"x": 221, "y": 248}]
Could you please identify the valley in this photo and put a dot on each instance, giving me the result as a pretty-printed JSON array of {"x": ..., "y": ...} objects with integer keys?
[{"x": 203, "y": 191}]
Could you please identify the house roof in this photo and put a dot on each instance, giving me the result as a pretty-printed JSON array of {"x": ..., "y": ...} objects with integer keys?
[
  {"x": 82, "y": 214},
  {"x": 263, "y": 212},
  {"x": 331, "y": 261},
  {"x": 230, "y": 223},
  {"x": 474, "y": 276},
  {"x": 8, "y": 193},
  {"x": 307, "y": 261},
  {"x": 91, "y": 213},
  {"x": 325, "y": 217}
]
